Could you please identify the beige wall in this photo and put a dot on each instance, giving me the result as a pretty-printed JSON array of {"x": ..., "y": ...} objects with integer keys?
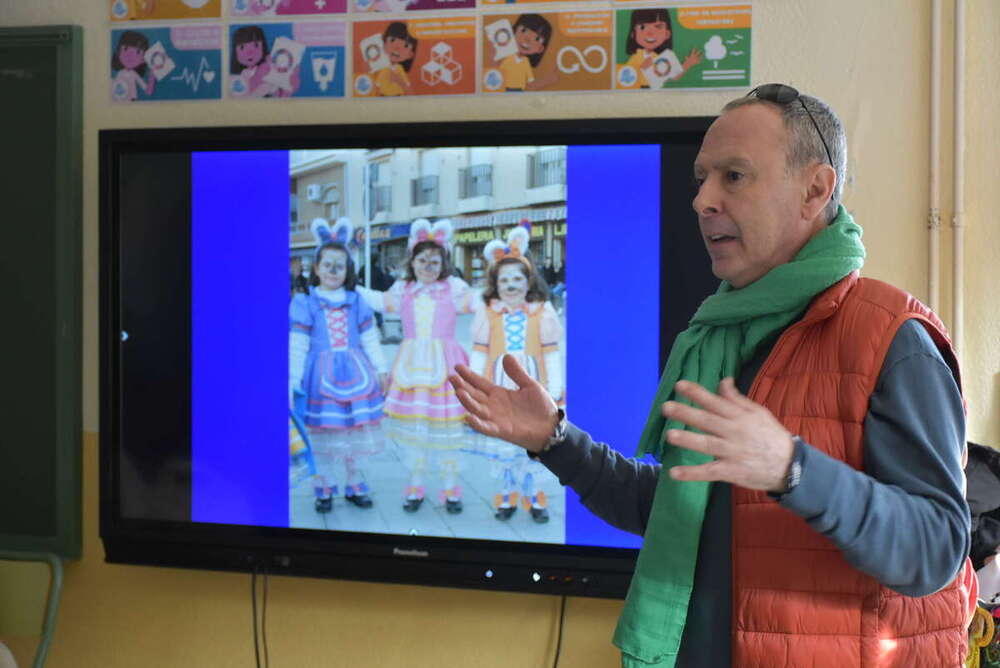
[{"x": 869, "y": 60}]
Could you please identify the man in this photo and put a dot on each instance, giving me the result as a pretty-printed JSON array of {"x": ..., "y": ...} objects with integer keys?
[{"x": 812, "y": 510}]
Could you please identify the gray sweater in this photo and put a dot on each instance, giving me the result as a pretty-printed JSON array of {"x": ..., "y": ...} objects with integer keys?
[{"x": 904, "y": 520}]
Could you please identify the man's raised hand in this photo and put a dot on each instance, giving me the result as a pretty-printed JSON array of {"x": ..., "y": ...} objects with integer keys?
[{"x": 526, "y": 416}]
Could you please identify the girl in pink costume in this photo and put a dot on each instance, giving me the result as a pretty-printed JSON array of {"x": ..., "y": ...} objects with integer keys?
[{"x": 423, "y": 415}]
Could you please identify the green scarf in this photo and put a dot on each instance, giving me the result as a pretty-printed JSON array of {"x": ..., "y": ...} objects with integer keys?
[{"x": 721, "y": 337}]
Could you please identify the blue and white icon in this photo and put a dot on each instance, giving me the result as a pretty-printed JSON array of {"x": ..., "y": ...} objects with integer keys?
[{"x": 627, "y": 76}]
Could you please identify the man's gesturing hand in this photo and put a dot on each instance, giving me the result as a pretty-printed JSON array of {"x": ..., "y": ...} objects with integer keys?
[
  {"x": 526, "y": 416},
  {"x": 751, "y": 448}
]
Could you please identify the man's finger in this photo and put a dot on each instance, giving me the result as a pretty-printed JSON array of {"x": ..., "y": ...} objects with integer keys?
[
  {"x": 473, "y": 378},
  {"x": 728, "y": 390},
  {"x": 461, "y": 386},
  {"x": 516, "y": 372},
  {"x": 472, "y": 406},
  {"x": 704, "y": 443},
  {"x": 705, "y": 421},
  {"x": 710, "y": 472},
  {"x": 707, "y": 400},
  {"x": 482, "y": 426}
]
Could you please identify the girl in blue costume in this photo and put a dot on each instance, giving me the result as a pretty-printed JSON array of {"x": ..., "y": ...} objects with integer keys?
[{"x": 336, "y": 360}]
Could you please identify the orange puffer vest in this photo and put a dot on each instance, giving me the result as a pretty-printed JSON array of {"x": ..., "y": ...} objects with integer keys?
[{"x": 796, "y": 600}]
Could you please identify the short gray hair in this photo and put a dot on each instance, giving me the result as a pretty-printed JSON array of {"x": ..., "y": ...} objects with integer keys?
[{"x": 804, "y": 145}]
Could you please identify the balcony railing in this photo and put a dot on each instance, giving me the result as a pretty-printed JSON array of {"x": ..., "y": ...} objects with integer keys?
[
  {"x": 547, "y": 167},
  {"x": 475, "y": 181},
  {"x": 424, "y": 190}
]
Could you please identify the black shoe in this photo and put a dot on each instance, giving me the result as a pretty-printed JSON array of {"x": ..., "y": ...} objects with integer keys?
[
  {"x": 360, "y": 500},
  {"x": 453, "y": 507},
  {"x": 504, "y": 514},
  {"x": 324, "y": 505},
  {"x": 412, "y": 505},
  {"x": 540, "y": 515}
]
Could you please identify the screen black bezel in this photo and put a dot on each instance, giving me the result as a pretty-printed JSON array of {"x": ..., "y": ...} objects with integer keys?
[{"x": 560, "y": 569}]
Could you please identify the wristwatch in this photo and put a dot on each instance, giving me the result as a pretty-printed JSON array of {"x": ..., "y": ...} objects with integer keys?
[
  {"x": 794, "y": 475},
  {"x": 557, "y": 437}
]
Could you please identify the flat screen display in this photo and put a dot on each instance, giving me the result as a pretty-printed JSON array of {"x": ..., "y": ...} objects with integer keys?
[{"x": 280, "y": 345}]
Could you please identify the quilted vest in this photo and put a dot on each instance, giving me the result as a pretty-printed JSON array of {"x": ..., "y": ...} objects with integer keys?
[{"x": 796, "y": 600}]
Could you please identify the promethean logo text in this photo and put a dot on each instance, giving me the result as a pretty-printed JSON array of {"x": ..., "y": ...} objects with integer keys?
[{"x": 410, "y": 553}]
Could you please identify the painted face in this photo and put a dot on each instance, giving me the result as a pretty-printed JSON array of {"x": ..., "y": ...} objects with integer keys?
[
  {"x": 427, "y": 265},
  {"x": 512, "y": 284},
  {"x": 748, "y": 202},
  {"x": 650, "y": 36},
  {"x": 528, "y": 41},
  {"x": 332, "y": 269},
  {"x": 249, "y": 54},
  {"x": 131, "y": 57},
  {"x": 399, "y": 50}
]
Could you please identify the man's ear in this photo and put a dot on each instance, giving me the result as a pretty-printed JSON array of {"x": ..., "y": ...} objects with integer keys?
[{"x": 821, "y": 180}]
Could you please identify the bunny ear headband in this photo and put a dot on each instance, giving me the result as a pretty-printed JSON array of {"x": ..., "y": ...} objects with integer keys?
[
  {"x": 423, "y": 230},
  {"x": 516, "y": 246},
  {"x": 341, "y": 232}
]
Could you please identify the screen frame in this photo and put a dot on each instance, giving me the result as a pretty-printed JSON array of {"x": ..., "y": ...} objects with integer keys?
[{"x": 483, "y": 564}]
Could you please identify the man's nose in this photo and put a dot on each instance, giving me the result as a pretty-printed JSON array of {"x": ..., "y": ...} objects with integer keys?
[{"x": 707, "y": 201}]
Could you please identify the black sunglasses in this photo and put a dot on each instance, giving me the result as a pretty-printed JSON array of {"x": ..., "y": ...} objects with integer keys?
[{"x": 782, "y": 94}]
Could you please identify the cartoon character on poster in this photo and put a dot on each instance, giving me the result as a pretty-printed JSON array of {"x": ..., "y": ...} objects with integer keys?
[
  {"x": 172, "y": 63},
  {"x": 415, "y": 57},
  {"x": 131, "y": 73},
  {"x": 335, "y": 360},
  {"x": 261, "y": 71},
  {"x": 423, "y": 414},
  {"x": 519, "y": 321},
  {"x": 519, "y": 50},
  {"x": 249, "y": 62},
  {"x": 652, "y": 61},
  {"x": 393, "y": 57},
  {"x": 553, "y": 52}
]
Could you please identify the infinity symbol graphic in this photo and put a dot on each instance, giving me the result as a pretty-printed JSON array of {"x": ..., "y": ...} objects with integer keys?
[{"x": 582, "y": 59}]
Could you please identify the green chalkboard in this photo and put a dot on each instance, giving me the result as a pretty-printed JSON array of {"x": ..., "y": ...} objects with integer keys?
[{"x": 41, "y": 93}]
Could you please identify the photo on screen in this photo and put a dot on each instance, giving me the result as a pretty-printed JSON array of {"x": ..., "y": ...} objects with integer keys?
[{"x": 382, "y": 309}]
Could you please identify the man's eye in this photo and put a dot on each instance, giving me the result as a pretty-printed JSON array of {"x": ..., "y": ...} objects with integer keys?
[
  {"x": 734, "y": 177},
  {"x": 698, "y": 181}
]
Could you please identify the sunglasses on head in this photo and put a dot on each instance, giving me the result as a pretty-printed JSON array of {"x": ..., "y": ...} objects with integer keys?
[{"x": 784, "y": 95}]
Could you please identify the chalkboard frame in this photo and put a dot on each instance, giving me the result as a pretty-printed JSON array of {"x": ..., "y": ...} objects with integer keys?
[{"x": 63, "y": 406}]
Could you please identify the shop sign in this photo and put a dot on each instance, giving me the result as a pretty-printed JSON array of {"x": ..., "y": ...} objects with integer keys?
[{"x": 479, "y": 236}]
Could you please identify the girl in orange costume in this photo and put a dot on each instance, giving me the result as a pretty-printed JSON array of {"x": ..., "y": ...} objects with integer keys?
[{"x": 517, "y": 321}]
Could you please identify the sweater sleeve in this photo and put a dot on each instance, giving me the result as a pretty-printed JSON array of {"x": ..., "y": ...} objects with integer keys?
[
  {"x": 617, "y": 489},
  {"x": 904, "y": 520}
]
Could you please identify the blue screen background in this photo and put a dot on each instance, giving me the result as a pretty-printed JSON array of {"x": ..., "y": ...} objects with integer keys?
[{"x": 240, "y": 325}]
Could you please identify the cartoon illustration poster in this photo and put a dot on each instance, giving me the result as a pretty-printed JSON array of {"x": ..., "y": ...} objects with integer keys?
[
  {"x": 170, "y": 63},
  {"x": 270, "y": 8},
  {"x": 683, "y": 47},
  {"x": 433, "y": 56},
  {"x": 164, "y": 10},
  {"x": 553, "y": 52},
  {"x": 410, "y": 5},
  {"x": 287, "y": 60}
]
